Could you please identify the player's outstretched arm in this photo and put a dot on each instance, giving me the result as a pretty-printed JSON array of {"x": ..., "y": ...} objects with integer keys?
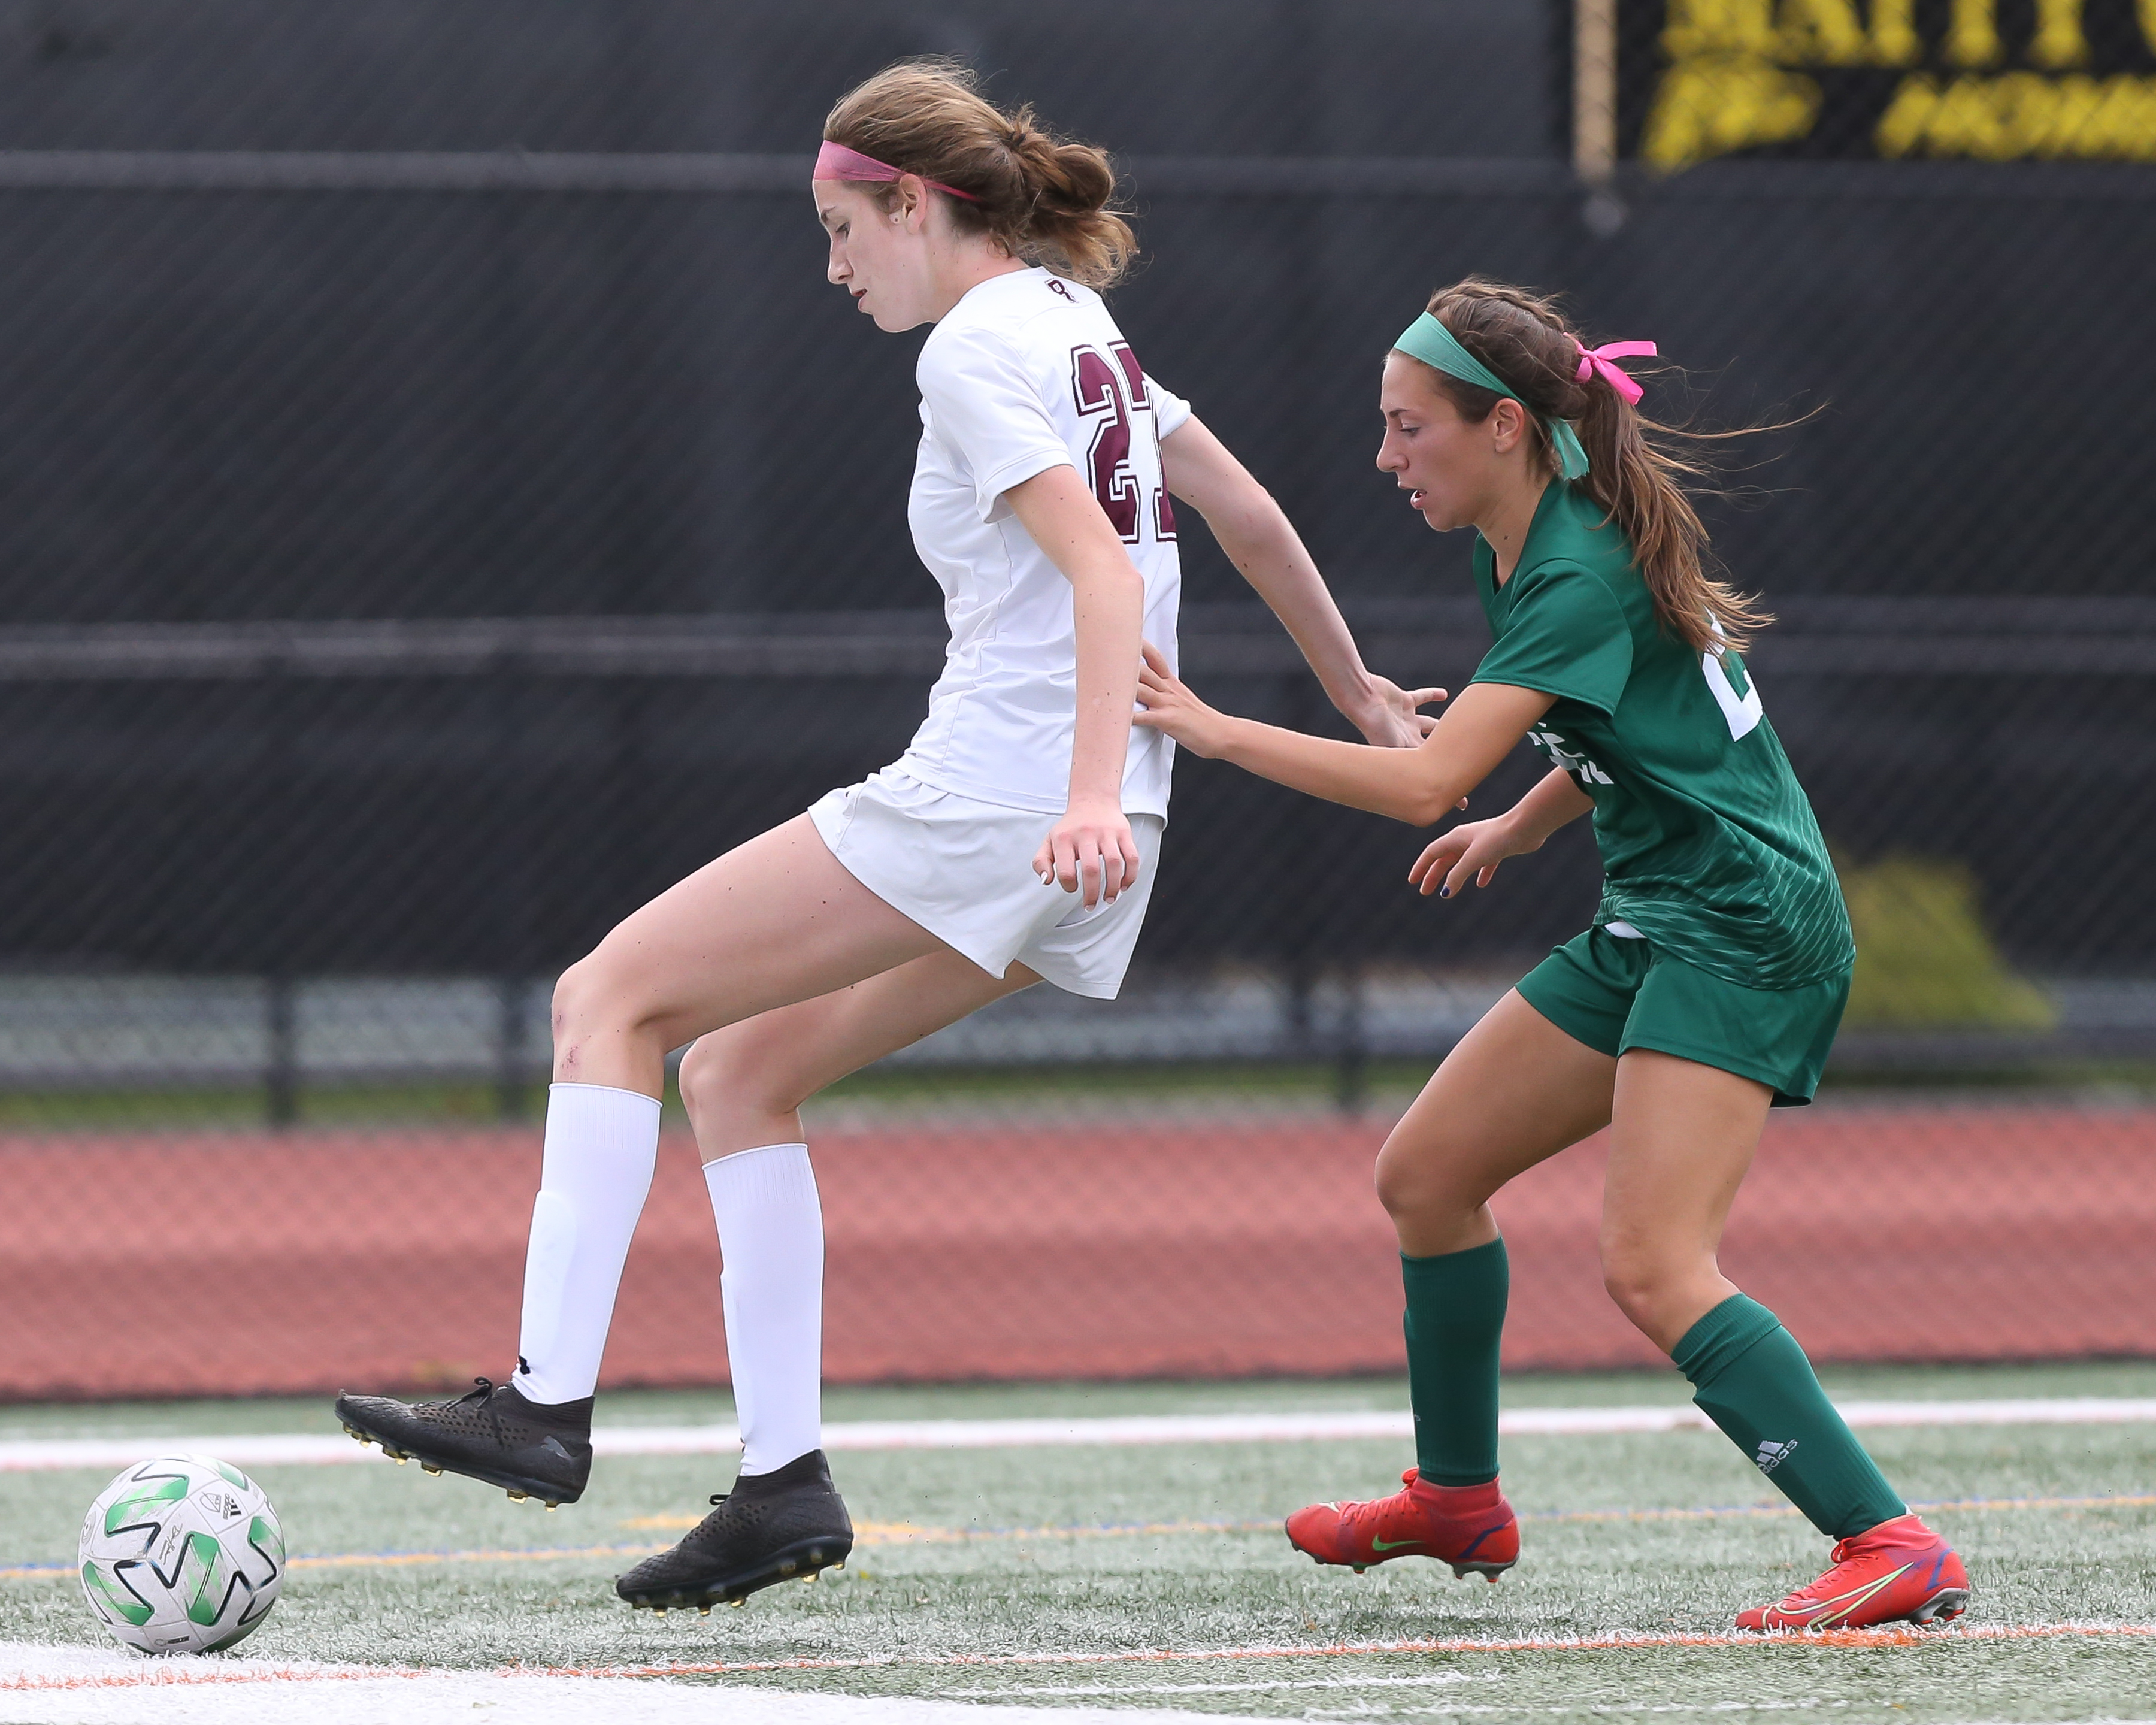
[
  {"x": 1262, "y": 544},
  {"x": 1090, "y": 851},
  {"x": 1473, "y": 849},
  {"x": 1418, "y": 785}
]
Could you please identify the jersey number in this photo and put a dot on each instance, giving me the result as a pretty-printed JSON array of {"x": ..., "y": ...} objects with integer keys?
[
  {"x": 1733, "y": 690},
  {"x": 1115, "y": 391}
]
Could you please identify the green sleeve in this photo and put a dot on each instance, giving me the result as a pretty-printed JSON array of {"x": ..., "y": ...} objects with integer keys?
[{"x": 1566, "y": 636}]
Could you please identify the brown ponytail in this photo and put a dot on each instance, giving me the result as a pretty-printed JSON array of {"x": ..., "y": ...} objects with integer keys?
[
  {"x": 1634, "y": 470},
  {"x": 1041, "y": 197}
]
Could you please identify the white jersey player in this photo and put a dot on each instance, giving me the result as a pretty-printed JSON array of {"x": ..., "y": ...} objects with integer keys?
[
  {"x": 1013, "y": 842},
  {"x": 1027, "y": 375}
]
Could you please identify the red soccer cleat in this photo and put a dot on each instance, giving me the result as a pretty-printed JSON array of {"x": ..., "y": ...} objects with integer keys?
[
  {"x": 1470, "y": 1527},
  {"x": 1897, "y": 1571}
]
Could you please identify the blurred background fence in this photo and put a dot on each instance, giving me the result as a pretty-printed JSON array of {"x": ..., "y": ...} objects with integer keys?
[{"x": 441, "y": 504}]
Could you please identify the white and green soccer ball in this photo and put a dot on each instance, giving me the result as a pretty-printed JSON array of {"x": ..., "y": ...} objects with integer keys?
[{"x": 182, "y": 1554}]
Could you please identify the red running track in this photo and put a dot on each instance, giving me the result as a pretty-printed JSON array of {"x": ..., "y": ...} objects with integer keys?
[{"x": 214, "y": 1265}]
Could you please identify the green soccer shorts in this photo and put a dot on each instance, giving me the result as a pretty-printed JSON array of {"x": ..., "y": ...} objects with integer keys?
[{"x": 1612, "y": 994}]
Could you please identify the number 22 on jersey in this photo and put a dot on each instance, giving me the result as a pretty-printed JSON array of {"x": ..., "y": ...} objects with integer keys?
[{"x": 1112, "y": 392}]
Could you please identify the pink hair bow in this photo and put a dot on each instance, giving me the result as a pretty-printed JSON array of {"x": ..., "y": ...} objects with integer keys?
[{"x": 1603, "y": 359}]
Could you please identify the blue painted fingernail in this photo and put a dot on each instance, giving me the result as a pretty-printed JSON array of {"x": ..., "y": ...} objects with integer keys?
[{"x": 1445, "y": 892}]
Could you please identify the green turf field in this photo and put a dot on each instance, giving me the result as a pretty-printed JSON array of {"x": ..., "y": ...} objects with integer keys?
[{"x": 1077, "y": 1550}]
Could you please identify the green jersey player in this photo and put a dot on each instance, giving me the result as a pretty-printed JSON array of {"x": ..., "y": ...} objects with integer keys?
[{"x": 1708, "y": 990}]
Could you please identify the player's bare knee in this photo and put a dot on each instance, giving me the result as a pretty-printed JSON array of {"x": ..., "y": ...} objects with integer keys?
[
  {"x": 698, "y": 1081},
  {"x": 590, "y": 999},
  {"x": 1641, "y": 1282},
  {"x": 579, "y": 1000},
  {"x": 722, "y": 1076},
  {"x": 735, "y": 1081},
  {"x": 1417, "y": 1187}
]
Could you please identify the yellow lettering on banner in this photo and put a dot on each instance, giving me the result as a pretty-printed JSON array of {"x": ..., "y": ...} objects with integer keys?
[
  {"x": 2022, "y": 114},
  {"x": 1894, "y": 39},
  {"x": 1705, "y": 26},
  {"x": 2060, "y": 40},
  {"x": 1973, "y": 33},
  {"x": 1822, "y": 32},
  {"x": 1908, "y": 121},
  {"x": 1710, "y": 105},
  {"x": 1731, "y": 84}
]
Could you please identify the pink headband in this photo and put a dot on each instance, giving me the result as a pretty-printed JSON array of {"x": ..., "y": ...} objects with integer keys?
[
  {"x": 1603, "y": 359},
  {"x": 835, "y": 162}
]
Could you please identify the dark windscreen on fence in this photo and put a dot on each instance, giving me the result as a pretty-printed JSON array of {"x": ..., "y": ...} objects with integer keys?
[{"x": 444, "y": 504}]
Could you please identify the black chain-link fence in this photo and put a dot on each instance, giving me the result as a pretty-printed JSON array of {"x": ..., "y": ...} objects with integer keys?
[{"x": 441, "y": 504}]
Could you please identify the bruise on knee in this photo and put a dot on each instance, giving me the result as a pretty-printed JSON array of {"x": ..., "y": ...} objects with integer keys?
[{"x": 581, "y": 997}]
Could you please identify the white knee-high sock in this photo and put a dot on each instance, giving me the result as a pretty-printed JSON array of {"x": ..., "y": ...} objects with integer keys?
[
  {"x": 602, "y": 1145},
  {"x": 771, "y": 1233}
]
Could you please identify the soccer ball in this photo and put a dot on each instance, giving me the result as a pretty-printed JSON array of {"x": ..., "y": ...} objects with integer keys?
[{"x": 182, "y": 1554}]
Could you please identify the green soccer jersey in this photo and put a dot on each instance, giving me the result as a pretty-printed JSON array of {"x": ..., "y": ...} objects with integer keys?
[{"x": 1709, "y": 847}]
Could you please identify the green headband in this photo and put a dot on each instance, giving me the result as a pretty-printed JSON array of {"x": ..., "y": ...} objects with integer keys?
[{"x": 1429, "y": 341}]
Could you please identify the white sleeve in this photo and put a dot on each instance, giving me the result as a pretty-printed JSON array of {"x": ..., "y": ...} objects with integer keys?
[
  {"x": 1170, "y": 411},
  {"x": 985, "y": 404}
]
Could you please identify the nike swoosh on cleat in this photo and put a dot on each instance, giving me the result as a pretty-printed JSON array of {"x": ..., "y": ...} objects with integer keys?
[
  {"x": 1827, "y": 1612},
  {"x": 1377, "y": 1544}
]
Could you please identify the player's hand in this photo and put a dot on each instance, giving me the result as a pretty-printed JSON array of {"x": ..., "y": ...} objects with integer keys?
[
  {"x": 1396, "y": 720},
  {"x": 1166, "y": 704},
  {"x": 1473, "y": 850},
  {"x": 1091, "y": 851}
]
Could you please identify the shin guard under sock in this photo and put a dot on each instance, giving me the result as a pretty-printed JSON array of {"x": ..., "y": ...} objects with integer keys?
[
  {"x": 1751, "y": 1379},
  {"x": 1455, "y": 1319},
  {"x": 602, "y": 1146},
  {"x": 771, "y": 1236}
]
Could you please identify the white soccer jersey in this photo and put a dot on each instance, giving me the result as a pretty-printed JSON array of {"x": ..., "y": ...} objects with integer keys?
[{"x": 1027, "y": 373}]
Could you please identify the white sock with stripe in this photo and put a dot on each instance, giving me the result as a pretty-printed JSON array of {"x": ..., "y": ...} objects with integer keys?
[{"x": 770, "y": 1235}]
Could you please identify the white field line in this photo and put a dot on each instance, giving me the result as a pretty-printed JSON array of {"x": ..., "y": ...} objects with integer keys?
[
  {"x": 79, "y": 1686},
  {"x": 82, "y": 1686},
  {"x": 281, "y": 1448}
]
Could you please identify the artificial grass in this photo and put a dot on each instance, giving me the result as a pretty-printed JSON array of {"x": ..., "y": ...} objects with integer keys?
[{"x": 1094, "y": 1549}]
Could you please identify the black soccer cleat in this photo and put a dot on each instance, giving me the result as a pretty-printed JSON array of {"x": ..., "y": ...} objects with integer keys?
[
  {"x": 529, "y": 1449},
  {"x": 771, "y": 1527}
]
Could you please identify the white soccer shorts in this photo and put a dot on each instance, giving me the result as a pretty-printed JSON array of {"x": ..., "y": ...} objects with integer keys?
[{"x": 963, "y": 870}]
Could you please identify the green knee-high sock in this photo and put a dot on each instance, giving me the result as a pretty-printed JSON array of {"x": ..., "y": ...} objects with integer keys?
[
  {"x": 1751, "y": 1379},
  {"x": 1455, "y": 1316}
]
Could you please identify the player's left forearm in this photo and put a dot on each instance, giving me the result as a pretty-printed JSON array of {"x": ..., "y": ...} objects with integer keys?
[
  {"x": 1108, "y": 605},
  {"x": 1412, "y": 785},
  {"x": 1418, "y": 785}
]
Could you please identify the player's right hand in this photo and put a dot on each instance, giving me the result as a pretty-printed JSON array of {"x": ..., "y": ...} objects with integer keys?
[
  {"x": 1091, "y": 851},
  {"x": 1167, "y": 703}
]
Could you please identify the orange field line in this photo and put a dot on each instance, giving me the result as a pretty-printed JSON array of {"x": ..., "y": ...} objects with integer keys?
[
  {"x": 1903, "y": 1636},
  {"x": 1614, "y": 1643}
]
